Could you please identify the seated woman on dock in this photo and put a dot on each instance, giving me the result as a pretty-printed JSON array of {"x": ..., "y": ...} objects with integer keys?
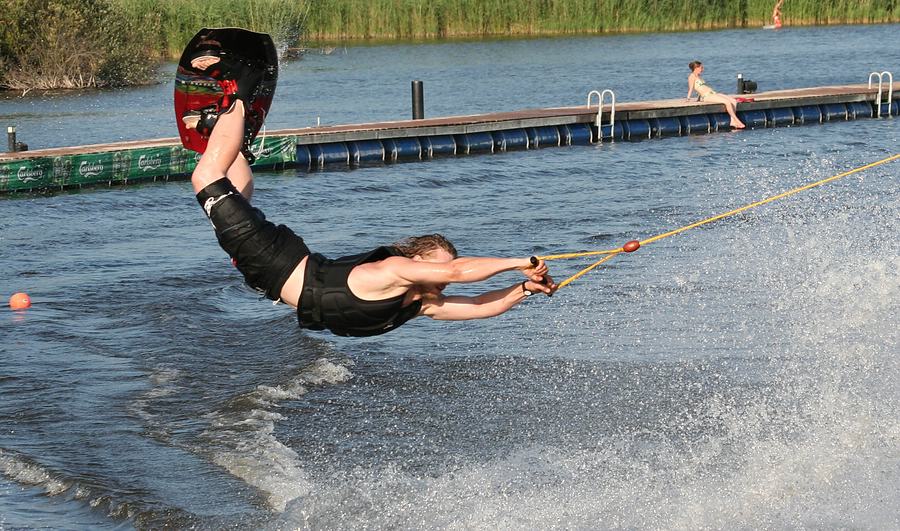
[
  {"x": 708, "y": 95},
  {"x": 361, "y": 295}
]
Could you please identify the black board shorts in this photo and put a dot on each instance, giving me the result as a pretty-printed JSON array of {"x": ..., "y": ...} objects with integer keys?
[{"x": 265, "y": 253}]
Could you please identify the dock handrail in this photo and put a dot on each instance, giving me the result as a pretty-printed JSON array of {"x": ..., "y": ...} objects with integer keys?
[
  {"x": 890, "y": 95},
  {"x": 612, "y": 111}
]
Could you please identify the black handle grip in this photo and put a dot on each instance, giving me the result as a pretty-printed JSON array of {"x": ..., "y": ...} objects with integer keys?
[{"x": 534, "y": 262}]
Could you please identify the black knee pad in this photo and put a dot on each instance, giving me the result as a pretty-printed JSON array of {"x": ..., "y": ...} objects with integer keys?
[
  {"x": 215, "y": 190},
  {"x": 225, "y": 206}
]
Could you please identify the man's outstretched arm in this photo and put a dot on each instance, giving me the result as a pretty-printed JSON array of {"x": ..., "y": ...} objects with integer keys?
[
  {"x": 460, "y": 270},
  {"x": 490, "y": 304},
  {"x": 396, "y": 274}
]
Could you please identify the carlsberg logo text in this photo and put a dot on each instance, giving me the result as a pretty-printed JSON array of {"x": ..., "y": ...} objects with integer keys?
[
  {"x": 90, "y": 169},
  {"x": 26, "y": 175},
  {"x": 149, "y": 162}
]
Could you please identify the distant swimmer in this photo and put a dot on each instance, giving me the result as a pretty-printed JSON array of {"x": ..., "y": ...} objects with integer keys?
[
  {"x": 707, "y": 94},
  {"x": 776, "y": 14},
  {"x": 360, "y": 295}
]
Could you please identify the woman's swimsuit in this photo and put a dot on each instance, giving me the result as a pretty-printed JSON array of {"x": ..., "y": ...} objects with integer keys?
[{"x": 700, "y": 83}]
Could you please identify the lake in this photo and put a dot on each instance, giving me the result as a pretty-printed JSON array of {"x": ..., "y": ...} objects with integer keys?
[{"x": 739, "y": 375}]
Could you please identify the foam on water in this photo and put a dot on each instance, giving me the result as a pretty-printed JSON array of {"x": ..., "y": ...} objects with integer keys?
[
  {"x": 241, "y": 437},
  {"x": 26, "y": 473},
  {"x": 815, "y": 445}
]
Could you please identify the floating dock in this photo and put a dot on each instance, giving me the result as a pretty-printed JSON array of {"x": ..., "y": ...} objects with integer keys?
[{"x": 345, "y": 146}]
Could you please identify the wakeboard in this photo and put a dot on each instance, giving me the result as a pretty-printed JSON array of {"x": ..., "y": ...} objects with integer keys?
[{"x": 197, "y": 92}]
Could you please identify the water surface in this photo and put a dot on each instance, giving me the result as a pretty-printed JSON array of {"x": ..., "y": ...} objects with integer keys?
[{"x": 743, "y": 374}]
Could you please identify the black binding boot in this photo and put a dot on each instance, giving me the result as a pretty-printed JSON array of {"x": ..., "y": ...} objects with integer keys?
[{"x": 239, "y": 79}]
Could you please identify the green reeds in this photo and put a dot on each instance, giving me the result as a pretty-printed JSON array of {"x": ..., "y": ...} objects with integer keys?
[
  {"x": 79, "y": 43},
  {"x": 418, "y": 19},
  {"x": 176, "y": 21},
  {"x": 289, "y": 21}
]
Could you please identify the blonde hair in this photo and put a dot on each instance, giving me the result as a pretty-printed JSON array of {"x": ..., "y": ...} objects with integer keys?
[{"x": 419, "y": 245}]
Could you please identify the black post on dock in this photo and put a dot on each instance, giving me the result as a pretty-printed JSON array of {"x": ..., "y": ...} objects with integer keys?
[
  {"x": 418, "y": 100},
  {"x": 11, "y": 138}
]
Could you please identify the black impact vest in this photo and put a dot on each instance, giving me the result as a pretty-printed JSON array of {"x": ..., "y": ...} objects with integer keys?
[{"x": 327, "y": 302}]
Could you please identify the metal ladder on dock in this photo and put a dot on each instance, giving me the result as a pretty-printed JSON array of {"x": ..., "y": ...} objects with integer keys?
[
  {"x": 612, "y": 112},
  {"x": 890, "y": 95}
]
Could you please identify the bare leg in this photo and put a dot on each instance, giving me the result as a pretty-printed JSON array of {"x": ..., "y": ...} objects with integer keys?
[
  {"x": 221, "y": 147},
  {"x": 241, "y": 176},
  {"x": 729, "y": 104},
  {"x": 222, "y": 151}
]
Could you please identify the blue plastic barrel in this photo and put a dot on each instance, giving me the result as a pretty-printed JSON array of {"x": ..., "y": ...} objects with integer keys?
[
  {"x": 333, "y": 153},
  {"x": 610, "y": 133},
  {"x": 859, "y": 109},
  {"x": 695, "y": 124},
  {"x": 890, "y": 109},
  {"x": 753, "y": 119},
  {"x": 832, "y": 112},
  {"x": 665, "y": 127},
  {"x": 366, "y": 151},
  {"x": 575, "y": 134},
  {"x": 433, "y": 146},
  {"x": 474, "y": 143},
  {"x": 780, "y": 117},
  {"x": 719, "y": 121},
  {"x": 808, "y": 114},
  {"x": 304, "y": 158},
  {"x": 510, "y": 139},
  {"x": 543, "y": 136},
  {"x": 402, "y": 149},
  {"x": 636, "y": 129}
]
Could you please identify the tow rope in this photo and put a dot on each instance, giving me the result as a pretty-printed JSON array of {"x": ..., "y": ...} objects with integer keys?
[{"x": 634, "y": 245}]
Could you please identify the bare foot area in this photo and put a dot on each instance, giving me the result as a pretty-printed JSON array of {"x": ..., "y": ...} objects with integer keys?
[
  {"x": 204, "y": 61},
  {"x": 191, "y": 121}
]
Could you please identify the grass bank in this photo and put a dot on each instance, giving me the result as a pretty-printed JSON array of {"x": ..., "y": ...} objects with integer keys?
[
  {"x": 48, "y": 44},
  {"x": 89, "y": 43},
  {"x": 70, "y": 44}
]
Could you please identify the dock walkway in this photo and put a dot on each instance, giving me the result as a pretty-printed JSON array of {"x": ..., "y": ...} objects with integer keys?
[{"x": 383, "y": 142}]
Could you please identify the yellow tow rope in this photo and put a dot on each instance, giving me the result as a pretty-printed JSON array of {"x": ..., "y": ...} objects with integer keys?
[{"x": 635, "y": 244}]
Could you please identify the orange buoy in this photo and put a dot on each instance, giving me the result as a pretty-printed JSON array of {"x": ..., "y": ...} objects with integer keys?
[
  {"x": 631, "y": 246},
  {"x": 20, "y": 301}
]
